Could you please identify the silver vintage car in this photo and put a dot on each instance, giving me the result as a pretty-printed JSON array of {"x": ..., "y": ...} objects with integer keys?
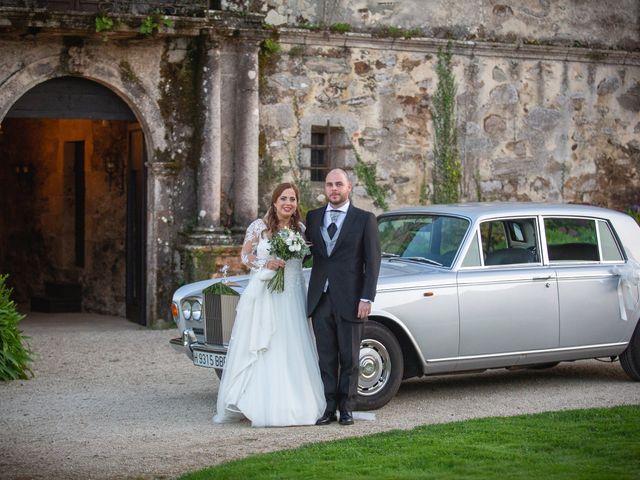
[{"x": 470, "y": 287}]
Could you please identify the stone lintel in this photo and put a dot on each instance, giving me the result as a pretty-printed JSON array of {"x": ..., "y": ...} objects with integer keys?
[
  {"x": 517, "y": 51},
  {"x": 21, "y": 21}
]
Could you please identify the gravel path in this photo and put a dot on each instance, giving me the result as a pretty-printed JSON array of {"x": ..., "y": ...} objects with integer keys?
[{"x": 111, "y": 399}]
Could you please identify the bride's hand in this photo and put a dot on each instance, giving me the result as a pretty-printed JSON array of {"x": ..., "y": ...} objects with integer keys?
[{"x": 275, "y": 264}]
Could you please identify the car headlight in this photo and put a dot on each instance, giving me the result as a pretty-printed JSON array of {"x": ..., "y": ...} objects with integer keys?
[
  {"x": 192, "y": 309},
  {"x": 186, "y": 310},
  {"x": 196, "y": 310}
]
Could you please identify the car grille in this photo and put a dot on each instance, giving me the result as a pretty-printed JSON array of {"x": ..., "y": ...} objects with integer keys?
[{"x": 219, "y": 315}]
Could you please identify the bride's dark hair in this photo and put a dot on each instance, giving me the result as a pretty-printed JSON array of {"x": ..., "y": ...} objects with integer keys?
[{"x": 271, "y": 218}]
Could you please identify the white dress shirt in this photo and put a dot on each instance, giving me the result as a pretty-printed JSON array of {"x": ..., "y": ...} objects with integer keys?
[{"x": 340, "y": 220}]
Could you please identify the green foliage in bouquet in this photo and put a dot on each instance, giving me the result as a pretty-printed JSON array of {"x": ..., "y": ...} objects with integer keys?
[
  {"x": 220, "y": 288},
  {"x": 286, "y": 245},
  {"x": 14, "y": 356}
]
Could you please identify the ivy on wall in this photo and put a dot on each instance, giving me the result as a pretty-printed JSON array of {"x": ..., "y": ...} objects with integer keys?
[
  {"x": 366, "y": 173},
  {"x": 446, "y": 159}
]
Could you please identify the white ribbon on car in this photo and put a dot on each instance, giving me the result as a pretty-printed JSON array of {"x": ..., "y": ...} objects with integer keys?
[{"x": 628, "y": 278}]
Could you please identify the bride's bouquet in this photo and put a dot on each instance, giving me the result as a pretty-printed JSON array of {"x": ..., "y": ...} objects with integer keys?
[{"x": 286, "y": 244}]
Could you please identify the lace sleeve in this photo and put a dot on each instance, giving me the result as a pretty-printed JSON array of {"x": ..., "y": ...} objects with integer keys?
[{"x": 248, "y": 254}]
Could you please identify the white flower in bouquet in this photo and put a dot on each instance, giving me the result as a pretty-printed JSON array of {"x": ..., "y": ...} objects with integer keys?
[{"x": 286, "y": 244}]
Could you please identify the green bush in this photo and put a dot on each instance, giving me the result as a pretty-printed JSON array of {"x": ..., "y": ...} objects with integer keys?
[{"x": 14, "y": 356}]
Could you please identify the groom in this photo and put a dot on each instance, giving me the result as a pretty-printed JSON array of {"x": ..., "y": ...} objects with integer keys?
[{"x": 346, "y": 261}]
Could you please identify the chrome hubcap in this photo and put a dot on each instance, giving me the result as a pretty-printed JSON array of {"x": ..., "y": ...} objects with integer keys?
[{"x": 375, "y": 366}]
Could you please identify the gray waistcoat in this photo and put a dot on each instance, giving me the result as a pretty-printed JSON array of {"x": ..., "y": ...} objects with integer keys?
[{"x": 330, "y": 242}]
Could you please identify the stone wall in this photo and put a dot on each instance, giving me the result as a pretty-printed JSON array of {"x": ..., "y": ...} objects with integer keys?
[
  {"x": 534, "y": 123},
  {"x": 610, "y": 23}
]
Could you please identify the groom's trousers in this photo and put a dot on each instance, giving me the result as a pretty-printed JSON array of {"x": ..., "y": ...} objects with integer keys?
[{"x": 338, "y": 342}]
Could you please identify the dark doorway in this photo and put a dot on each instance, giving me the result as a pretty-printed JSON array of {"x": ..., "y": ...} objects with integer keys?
[
  {"x": 72, "y": 163},
  {"x": 75, "y": 192},
  {"x": 136, "y": 235}
]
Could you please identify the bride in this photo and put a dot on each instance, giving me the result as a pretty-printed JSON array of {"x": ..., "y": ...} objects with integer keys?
[{"x": 271, "y": 374}]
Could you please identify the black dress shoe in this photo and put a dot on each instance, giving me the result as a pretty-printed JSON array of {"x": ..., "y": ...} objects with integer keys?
[
  {"x": 346, "y": 418},
  {"x": 327, "y": 418}
]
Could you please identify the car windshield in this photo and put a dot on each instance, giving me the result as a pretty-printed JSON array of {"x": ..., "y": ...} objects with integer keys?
[{"x": 431, "y": 239}]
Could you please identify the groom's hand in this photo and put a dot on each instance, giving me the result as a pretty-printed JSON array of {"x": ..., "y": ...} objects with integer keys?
[{"x": 364, "y": 309}]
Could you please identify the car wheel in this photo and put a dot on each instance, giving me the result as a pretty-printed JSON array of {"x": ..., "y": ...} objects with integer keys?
[
  {"x": 630, "y": 358},
  {"x": 219, "y": 373},
  {"x": 381, "y": 367}
]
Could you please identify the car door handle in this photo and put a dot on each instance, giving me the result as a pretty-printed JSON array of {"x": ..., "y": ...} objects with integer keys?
[{"x": 543, "y": 279}]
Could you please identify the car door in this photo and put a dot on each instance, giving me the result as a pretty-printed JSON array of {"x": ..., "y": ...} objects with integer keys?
[
  {"x": 508, "y": 299},
  {"x": 583, "y": 252}
]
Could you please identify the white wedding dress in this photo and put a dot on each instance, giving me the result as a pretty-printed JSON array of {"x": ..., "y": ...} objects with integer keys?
[{"x": 271, "y": 374}]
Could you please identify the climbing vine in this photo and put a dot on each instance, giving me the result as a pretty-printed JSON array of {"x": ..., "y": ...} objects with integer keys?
[
  {"x": 446, "y": 159},
  {"x": 366, "y": 173}
]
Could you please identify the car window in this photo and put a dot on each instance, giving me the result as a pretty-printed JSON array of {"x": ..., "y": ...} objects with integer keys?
[
  {"x": 435, "y": 238},
  {"x": 571, "y": 239},
  {"x": 608, "y": 244},
  {"x": 509, "y": 241},
  {"x": 493, "y": 236},
  {"x": 472, "y": 258}
]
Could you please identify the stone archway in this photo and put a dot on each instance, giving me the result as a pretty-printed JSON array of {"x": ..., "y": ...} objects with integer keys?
[
  {"x": 79, "y": 181},
  {"x": 73, "y": 161}
]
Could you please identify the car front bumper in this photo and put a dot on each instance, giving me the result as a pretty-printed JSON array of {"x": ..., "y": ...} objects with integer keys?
[{"x": 189, "y": 343}]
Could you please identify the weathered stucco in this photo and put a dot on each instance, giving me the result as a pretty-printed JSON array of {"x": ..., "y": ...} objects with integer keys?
[
  {"x": 610, "y": 23},
  {"x": 534, "y": 123}
]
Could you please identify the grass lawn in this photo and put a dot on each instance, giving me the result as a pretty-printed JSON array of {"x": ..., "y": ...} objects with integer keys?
[{"x": 601, "y": 443}]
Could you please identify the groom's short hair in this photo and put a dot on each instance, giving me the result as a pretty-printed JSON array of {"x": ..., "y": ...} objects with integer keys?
[{"x": 341, "y": 170}]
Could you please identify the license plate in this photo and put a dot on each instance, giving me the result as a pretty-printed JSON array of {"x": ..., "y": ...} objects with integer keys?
[{"x": 208, "y": 359}]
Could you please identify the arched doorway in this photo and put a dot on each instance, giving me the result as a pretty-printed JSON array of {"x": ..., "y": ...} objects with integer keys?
[{"x": 72, "y": 176}]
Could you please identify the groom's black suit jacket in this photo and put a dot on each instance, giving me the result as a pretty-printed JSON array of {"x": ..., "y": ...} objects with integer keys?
[{"x": 353, "y": 266}]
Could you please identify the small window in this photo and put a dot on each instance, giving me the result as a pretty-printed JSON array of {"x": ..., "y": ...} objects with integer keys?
[
  {"x": 328, "y": 149},
  {"x": 571, "y": 239},
  {"x": 319, "y": 162},
  {"x": 472, "y": 258},
  {"x": 610, "y": 250}
]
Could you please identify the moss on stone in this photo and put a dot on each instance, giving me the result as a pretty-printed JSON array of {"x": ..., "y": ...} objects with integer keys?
[
  {"x": 128, "y": 76},
  {"x": 180, "y": 100}
]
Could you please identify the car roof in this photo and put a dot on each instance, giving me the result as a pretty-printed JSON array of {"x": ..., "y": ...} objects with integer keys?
[{"x": 479, "y": 210}]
